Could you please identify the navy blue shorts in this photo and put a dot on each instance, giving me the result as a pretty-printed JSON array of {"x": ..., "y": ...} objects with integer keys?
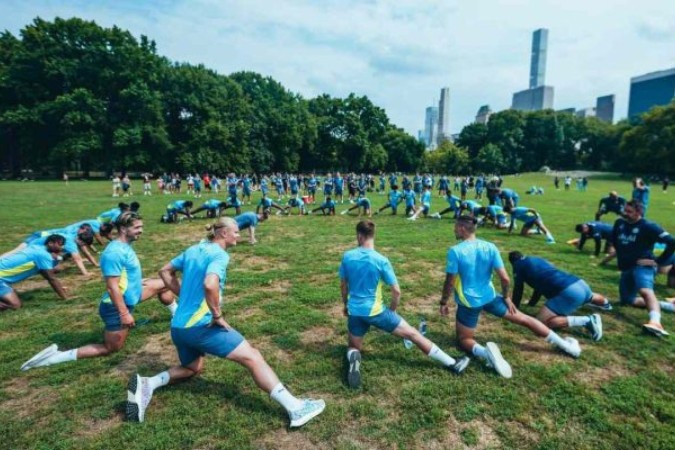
[
  {"x": 111, "y": 317},
  {"x": 469, "y": 316},
  {"x": 632, "y": 280},
  {"x": 570, "y": 299},
  {"x": 191, "y": 343},
  {"x": 387, "y": 321}
]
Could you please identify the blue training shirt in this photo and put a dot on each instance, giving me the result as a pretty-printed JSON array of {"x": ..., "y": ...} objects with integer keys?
[
  {"x": 119, "y": 260},
  {"x": 365, "y": 271},
  {"x": 25, "y": 263},
  {"x": 93, "y": 223},
  {"x": 473, "y": 262},
  {"x": 636, "y": 241},
  {"x": 196, "y": 263},
  {"x": 246, "y": 220},
  {"x": 542, "y": 276}
]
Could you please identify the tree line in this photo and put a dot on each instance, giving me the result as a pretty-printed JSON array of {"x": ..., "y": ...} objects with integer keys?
[{"x": 77, "y": 96}]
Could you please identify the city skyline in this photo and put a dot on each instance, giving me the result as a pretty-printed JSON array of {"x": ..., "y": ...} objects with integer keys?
[{"x": 398, "y": 53}]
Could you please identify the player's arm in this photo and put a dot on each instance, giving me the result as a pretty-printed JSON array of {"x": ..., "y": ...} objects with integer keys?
[
  {"x": 448, "y": 291},
  {"x": 168, "y": 276},
  {"x": 582, "y": 241},
  {"x": 395, "y": 296},
  {"x": 598, "y": 243},
  {"x": 89, "y": 256},
  {"x": 536, "y": 295},
  {"x": 54, "y": 282},
  {"x": 77, "y": 259},
  {"x": 344, "y": 292},
  {"x": 212, "y": 297},
  {"x": 505, "y": 281},
  {"x": 667, "y": 239},
  {"x": 112, "y": 285}
]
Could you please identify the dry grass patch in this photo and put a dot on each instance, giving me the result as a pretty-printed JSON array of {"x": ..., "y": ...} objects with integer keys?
[
  {"x": 275, "y": 287},
  {"x": 317, "y": 335},
  {"x": 272, "y": 352},
  {"x": 257, "y": 263},
  {"x": 281, "y": 439},
  {"x": 157, "y": 349},
  {"x": 26, "y": 401},
  {"x": 485, "y": 435},
  {"x": 91, "y": 428}
]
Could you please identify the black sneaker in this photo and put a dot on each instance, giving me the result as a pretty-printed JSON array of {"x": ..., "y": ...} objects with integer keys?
[{"x": 354, "y": 373}]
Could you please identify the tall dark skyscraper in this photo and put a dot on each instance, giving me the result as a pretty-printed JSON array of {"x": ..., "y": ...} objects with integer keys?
[
  {"x": 538, "y": 96},
  {"x": 431, "y": 127},
  {"x": 652, "y": 89},
  {"x": 538, "y": 60},
  {"x": 444, "y": 115},
  {"x": 604, "y": 108}
]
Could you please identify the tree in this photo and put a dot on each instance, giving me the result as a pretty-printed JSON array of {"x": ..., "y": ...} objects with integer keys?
[
  {"x": 447, "y": 158},
  {"x": 490, "y": 159},
  {"x": 650, "y": 145}
]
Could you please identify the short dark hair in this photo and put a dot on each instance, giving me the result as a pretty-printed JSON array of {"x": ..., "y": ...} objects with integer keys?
[
  {"x": 86, "y": 234},
  {"x": 55, "y": 238},
  {"x": 123, "y": 206},
  {"x": 134, "y": 206},
  {"x": 467, "y": 222},
  {"x": 188, "y": 204},
  {"x": 579, "y": 228},
  {"x": 639, "y": 207},
  {"x": 105, "y": 229},
  {"x": 515, "y": 256},
  {"x": 366, "y": 228}
]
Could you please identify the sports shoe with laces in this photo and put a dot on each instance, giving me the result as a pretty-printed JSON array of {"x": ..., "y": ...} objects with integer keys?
[
  {"x": 655, "y": 328},
  {"x": 604, "y": 307},
  {"x": 497, "y": 361},
  {"x": 594, "y": 326},
  {"x": 310, "y": 409},
  {"x": 37, "y": 359},
  {"x": 139, "y": 395},
  {"x": 573, "y": 348},
  {"x": 460, "y": 365},
  {"x": 354, "y": 372}
]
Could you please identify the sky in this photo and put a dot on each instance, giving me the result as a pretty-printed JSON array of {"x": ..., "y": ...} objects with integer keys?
[{"x": 399, "y": 53}]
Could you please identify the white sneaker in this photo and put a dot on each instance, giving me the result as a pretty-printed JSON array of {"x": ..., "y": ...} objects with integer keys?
[
  {"x": 40, "y": 357},
  {"x": 435, "y": 216},
  {"x": 310, "y": 409},
  {"x": 344, "y": 212},
  {"x": 139, "y": 395},
  {"x": 573, "y": 348},
  {"x": 497, "y": 361}
]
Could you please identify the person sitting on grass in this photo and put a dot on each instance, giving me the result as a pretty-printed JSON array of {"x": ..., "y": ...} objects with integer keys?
[
  {"x": 425, "y": 206},
  {"x": 294, "y": 202},
  {"x": 454, "y": 206}
]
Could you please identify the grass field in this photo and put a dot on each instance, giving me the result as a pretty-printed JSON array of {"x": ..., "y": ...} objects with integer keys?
[{"x": 283, "y": 295}]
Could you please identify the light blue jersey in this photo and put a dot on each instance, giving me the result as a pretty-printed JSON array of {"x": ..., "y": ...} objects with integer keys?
[
  {"x": 409, "y": 196},
  {"x": 212, "y": 204},
  {"x": 365, "y": 271},
  {"x": 25, "y": 263},
  {"x": 119, "y": 260},
  {"x": 196, "y": 263},
  {"x": 70, "y": 245},
  {"x": 109, "y": 216},
  {"x": 93, "y": 223},
  {"x": 178, "y": 205},
  {"x": 473, "y": 262},
  {"x": 246, "y": 220},
  {"x": 426, "y": 198}
]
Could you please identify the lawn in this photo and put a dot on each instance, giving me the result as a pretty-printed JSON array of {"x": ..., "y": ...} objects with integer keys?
[{"x": 283, "y": 295}]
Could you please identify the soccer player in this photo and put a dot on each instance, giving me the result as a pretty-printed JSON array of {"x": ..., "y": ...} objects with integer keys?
[
  {"x": 565, "y": 293},
  {"x": 471, "y": 206},
  {"x": 100, "y": 230},
  {"x": 395, "y": 198},
  {"x": 213, "y": 207},
  {"x": 509, "y": 198},
  {"x": 410, "y": 197},
  {"x": 125, "y": 288},
  {"x": 339, "y": 187},
  {"x": 250, "y": 220},
  {"x": 469, "y": 279},
  {"x": 178, "y": 207},
  {"x": 25, "y": 263},
  {"x": 363, "y": 271},
  {"x": 530, "y": 218},
  {"x": 612, "y": 203},
  {"x": 199, "y": 328},
  {"x": 596, "y": 230},
  {"x": 111, "y": 215},
  {"x": 454, "y": 206},
  {"x": 327, "y": 207},
  {"x": 641, "y": 194},
  {"x": 311, "y": 188},
  {"x": 361, "y": 203},
  {"x": 266, "y": 204},
  {"x": 328, "y": 186},
  {"x": 633, "y": 238},
  {"x": 426, "y": 204},
  {"x": 494, "y": 214},
  {"x": 246, "y": 189},
  {"x": 295, "y": 202}
]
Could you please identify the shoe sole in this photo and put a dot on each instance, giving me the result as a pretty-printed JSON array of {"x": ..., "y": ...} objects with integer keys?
[
  {"x": 300, "y": 422},
  {"x": 655, "y": 331},
  {"x": 46, "y": 353},
  {"x": 354, "y": 374},
  {"x": 498, "y": 362},
  {"x": 132, "y": 410},
  {"x": 461, "y": 365},
  {"x": 574, "y": 342}
]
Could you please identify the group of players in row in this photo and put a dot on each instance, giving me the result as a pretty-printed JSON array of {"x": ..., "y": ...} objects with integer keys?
[{"x": 198, "y": 327}]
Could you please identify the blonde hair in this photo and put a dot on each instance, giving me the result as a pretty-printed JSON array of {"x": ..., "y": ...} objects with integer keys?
[{"x": 223, "y": 222}]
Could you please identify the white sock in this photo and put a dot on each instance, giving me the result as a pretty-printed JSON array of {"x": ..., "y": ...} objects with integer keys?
[
  {"x": 655, "y": 316},
  {"x": 159, "y": 380},
  {"x": 479, "y": 351},
  {"x": 281, "y": 395},
  {"x": 172, "y": 308},
  {"x": 549, "y": 236},
  {"x": 556, "y": 340},
  {"x": 667, "y": 306},
  {"x": 440, "y": 356},
  {"x": 59, "y": 357},
  {"x": 577, "y": 321}
]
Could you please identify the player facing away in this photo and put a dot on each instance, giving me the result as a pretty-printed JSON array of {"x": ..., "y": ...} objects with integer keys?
[
  {"x": 564, "y": 292},
  {"x": 531, "y": 219},
  {"x": 363, "y": 271},
  {"x": 125, "y": 288},
  {"x": 25, "y": 263},
  {"x": 199, "y": 328},
  {"x": 469, "y": 279},
  {"x": 633, "y": 238}
]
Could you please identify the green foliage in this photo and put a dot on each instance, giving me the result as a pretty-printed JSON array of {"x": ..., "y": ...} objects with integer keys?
[
  {"x": 650, "y": 145},
  {"x": 447, "y": 158}
]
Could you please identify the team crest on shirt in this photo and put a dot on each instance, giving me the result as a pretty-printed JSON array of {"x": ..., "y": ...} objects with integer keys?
[{"x": 636, "y": 230}]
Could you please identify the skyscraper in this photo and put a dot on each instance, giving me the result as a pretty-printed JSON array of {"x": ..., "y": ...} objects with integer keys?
[
  {"x": 604, "y": 108},
  {"x": 444, "y": 115},
  {"x": 538, "y": 60},
  {"x": 483, "y": 115},
  {"x": 538, "y": 96},
  {"x": 649, "y": 90},
  {"x": 431, "y": 127}
]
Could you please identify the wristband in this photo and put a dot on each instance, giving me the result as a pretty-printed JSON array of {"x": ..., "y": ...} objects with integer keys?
[{"x": 217, "y": 317}]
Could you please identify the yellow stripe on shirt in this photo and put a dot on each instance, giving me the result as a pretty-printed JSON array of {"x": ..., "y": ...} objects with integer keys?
[
  {"x": 18, "y": 270},
  {"x": 460, "y": 293},
  {"x": 198, "y": 315},
  {"x": 378, "y": 306}
]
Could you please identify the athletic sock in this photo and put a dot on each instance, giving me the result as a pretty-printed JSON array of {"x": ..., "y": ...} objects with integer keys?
[
  {"x": 159, "y": 380},
  {"x": 440, "y": 356},
  {"x": 59, "y": 357},
  {"x": 578, "y": 321},
  {"x": 655, "y": 316},
  {"x": 479, "y": 351},
  {"x": 281, "y": 395},
  {"x": 172, "y": 308},
  {"x": 667, "y": 306}
]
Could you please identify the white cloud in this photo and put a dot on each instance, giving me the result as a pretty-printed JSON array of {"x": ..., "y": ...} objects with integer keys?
[{"x": 400, "y": 53}]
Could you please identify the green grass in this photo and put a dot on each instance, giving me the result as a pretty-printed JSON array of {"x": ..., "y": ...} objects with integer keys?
[{"x": 283, "y": 295}]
